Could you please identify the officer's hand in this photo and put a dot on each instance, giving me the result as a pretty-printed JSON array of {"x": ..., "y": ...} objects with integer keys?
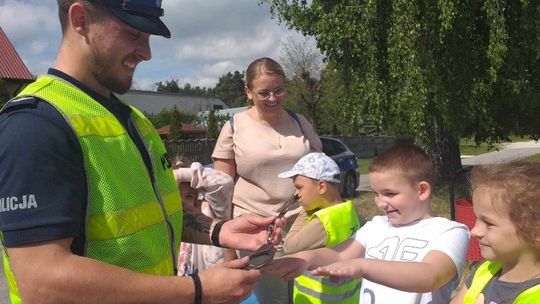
[
  {"x": 249, "y": 232},
  {"x": 227, "y": 282}
]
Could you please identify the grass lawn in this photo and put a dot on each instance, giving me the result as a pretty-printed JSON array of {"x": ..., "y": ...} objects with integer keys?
[{"x": 535, "y": 157}]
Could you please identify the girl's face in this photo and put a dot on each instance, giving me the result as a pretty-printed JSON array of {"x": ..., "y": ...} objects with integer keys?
[
  {"x": 495, "y": 231},
  {"x": 189, "y": 195}
]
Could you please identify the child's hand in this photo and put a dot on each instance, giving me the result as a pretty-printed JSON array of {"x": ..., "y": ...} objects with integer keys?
[
  {"x": 287, "y": 267},
  {"x": 337, "y": 272}
]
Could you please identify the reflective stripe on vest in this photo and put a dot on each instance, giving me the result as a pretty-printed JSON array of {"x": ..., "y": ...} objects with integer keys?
[
  {"x": 340, "y": 222},
  {"x": 132, "y": 211},
  {"x": 485, "y": 272},
  {"x": 347, "y": 291},
  {"x": 14, "y": 297}
]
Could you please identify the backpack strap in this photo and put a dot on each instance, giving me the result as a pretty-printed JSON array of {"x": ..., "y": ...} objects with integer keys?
[
  {"x": 231, "y": 122},
  {"x": 291, "y": 114}
]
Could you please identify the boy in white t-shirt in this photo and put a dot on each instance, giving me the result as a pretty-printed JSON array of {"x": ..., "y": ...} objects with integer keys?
[{"x": 407, "y": 255}]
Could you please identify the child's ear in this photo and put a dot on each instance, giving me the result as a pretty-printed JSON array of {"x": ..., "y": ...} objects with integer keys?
[
  {"x": 424, "y": 190},
  {"x": 322, "y": 186}
]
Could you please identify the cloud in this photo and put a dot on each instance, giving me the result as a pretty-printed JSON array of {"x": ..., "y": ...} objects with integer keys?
[
  {"x": 220, "y": 68},
  {"x": 195, "y": 18},
  {"x": 28, "y": 20},
  {"x": 38, "y": 47},
  {"x": 209, "y": 38},
  {"x": 33, "y": 29}
]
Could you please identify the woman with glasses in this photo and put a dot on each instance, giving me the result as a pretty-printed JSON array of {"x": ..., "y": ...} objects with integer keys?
[{"x": 255, "y": 146}]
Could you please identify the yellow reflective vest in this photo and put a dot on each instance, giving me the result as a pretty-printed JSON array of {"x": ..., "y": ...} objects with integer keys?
[
  {"x": 485, "y": 272},
  {"x": 340, "y": 222},
  {"x": 134, "y": 213}
]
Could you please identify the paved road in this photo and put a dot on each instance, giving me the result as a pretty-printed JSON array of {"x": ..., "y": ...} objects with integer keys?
[{"x": 509, "y": 152}]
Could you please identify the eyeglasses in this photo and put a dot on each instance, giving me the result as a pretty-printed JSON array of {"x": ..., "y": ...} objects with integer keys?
[
  {"x": 277, "y": 92},
  {"x": 266, "y": 252}
]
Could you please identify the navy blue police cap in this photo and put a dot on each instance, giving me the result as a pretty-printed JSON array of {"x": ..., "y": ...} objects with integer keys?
[{"x": 142, "y": 15}]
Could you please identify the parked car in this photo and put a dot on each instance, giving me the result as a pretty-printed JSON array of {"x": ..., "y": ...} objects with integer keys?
[{"x": 347, "y": 163}]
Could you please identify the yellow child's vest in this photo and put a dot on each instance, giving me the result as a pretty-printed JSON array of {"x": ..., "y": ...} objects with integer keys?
[
  {"x": 134, "y": 217},
  {"x": 485, "y": 272},
  {"x": 340, "y": 222}
]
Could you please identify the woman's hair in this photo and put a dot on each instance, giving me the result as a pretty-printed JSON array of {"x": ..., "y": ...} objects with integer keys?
[
  {"x": 516, "y": 184},
  {"x": 411, "y": 161},
  {"x": 262, "y": 66}
]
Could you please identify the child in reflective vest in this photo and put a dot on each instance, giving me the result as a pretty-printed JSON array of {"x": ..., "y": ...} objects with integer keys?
[
  {"x": 324, "y": 221},
  {"x": 406, "y": 256},
  {"x": 215, "y": 189},
  {"x": 506, "y": 201}
]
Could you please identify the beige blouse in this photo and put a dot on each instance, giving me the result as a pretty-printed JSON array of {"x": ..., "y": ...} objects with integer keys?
[{"x": 261, "y": 152}]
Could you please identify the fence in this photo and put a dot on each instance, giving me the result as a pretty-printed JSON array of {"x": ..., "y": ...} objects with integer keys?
[
  {"x": 368, "y": 146},
  {"x": 200, "y": 150},
  {"x": 195, "y": 150}
]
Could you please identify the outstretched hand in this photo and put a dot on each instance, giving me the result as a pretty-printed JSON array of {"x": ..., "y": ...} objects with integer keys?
[
  {"x": 287, "y": 267},
  {"x": 239, "y": 284},
  {"x": 249, "y": 232},
  {"x": 339, "y": 271}
]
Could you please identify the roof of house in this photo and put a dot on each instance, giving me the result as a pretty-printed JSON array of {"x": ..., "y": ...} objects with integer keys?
[
  {"x": 11, "y": 65},
  {"x": 152, "y": 102}
]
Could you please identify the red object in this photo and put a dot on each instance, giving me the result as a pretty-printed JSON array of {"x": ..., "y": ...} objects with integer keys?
[
  {"x": 465, "y": 215},
  {"x": 11, "y": 65}
]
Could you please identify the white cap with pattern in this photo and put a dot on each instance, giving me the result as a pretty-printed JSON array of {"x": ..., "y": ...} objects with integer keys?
[{"x": 314, "y": 165}]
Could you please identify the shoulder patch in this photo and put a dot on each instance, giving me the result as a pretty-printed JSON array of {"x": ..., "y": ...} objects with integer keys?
[{"x": 21, "y": 103}]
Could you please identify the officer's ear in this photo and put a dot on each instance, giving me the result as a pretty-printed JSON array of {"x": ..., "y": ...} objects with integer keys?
[{"x": 78, "y": 16}]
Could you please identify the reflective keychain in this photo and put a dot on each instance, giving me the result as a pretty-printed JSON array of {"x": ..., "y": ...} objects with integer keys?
[{"x": 266, "y": 252}]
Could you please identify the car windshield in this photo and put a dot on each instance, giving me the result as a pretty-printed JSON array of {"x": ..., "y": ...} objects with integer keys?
[{"x": 332, "y": 147}]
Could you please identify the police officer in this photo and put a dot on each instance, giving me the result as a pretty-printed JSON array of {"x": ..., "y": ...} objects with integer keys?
[{"x": 91, "y": 212}]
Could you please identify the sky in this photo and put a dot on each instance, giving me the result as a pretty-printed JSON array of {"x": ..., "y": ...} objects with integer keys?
[{"x": 209, "y": 39}]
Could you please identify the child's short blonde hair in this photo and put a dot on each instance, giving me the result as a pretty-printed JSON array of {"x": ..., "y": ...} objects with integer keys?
[
  {"x": 517, "y": 185},
  {"x": 411, "y": 161}
]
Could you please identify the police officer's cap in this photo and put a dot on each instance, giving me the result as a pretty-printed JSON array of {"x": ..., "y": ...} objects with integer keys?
[{"x": 142, "y": 15}]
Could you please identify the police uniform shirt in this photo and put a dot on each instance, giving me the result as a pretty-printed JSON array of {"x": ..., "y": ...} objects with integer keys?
[{"x": 43, "y": 191}]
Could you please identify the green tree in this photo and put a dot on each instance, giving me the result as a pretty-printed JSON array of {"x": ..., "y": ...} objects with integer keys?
[
  {"x": 303, "y": 64},
  {"x": 175, "y": 131},
  {"x": 170, "y": 86},
  {"x": 440, "y": 70},
  {"x": 163, "y": 118},
  {"x": 212, "y": 128},
  {"x": 230, "y": 89}
]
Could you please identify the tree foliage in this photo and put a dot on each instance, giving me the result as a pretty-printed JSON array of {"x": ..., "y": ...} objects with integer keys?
[
  {"x": 175, "y": 131},
  {"x": 171, "y": 86},
  {"x": 164, "y": 117},
  {"x": 230, "y": 89},
  {"x": 303, "y": 64},
  {"x": 440, "y": 70},
  {"x": 212, "y": 127}
]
